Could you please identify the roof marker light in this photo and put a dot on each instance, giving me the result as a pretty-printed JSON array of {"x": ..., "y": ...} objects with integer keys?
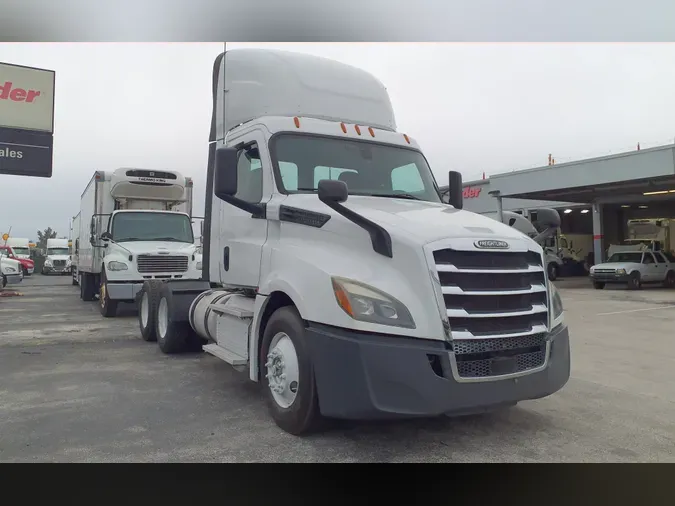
[
  {"x": 407, "y": 139},
  {"x": 372, "y": 132},
  {"x": 358, "y": 130},
  {"x": 344, "y": 127},
  {"x": 296, "y": 120}
]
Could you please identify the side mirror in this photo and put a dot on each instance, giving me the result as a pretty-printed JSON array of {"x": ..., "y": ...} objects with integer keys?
[
  {"x": 225, "y": 181},
  {"x": 332, "y": 191},
  {"x": 106, "y": 236},
  {"x": 455, "y": 190}
]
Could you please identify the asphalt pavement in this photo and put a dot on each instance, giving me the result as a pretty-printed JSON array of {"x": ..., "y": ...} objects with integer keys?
[{"x": 75, "y": 387}]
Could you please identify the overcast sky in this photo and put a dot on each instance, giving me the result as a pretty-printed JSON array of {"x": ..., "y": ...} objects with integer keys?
[{"x": 472, "y": 107}]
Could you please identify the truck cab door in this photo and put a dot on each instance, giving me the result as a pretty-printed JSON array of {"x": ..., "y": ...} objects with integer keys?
[{"x": 241, "y": 237}]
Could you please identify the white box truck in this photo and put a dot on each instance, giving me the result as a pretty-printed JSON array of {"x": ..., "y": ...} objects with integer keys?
[
  {"x": 334, "y": 273},
  {"x": 135, "y": 225}
]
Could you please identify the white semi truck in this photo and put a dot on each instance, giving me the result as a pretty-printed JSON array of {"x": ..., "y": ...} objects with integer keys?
[
  {"x": 20, "y": 246},
  {"x": 134, "y": 225},
  {"x": 57, "y": 257},
  {"x": 334, "y": 273}
]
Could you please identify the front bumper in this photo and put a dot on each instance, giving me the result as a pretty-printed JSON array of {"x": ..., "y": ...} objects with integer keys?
[
  {"x": 365, "y": 376},
  {"x": 606, "y": 277},
  {"x": 14, "y": 279},
  {"x": 124, "y": 290},
  {"x": 56, "y": 270}
]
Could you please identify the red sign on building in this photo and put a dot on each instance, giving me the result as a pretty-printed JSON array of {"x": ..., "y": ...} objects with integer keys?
[{"x": 471, "y": 192}]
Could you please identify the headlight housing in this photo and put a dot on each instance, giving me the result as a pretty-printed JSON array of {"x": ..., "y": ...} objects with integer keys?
[
  {"x": 621, "y": 272},
  {"x": 367, "y": 304},
  {"x": 117, "y": 266},
  {"x": 557, "y": 311},
  {"x": 48, "y": 262},
  {"x": 11, "y": 269}
]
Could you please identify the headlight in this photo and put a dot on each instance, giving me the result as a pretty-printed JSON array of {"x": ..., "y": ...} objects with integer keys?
[
  {"x": 557, "y": 312},
  {"x": 117, "y": 266},
  {"x": 11, "y": 269},
  {"x": 367, "y": 304},
  {"x": 48, "y": 262},
  {"x": 592, "y": 270},
  {"x": 199, "y": 265},
  {"x": 621, "y": 272}
]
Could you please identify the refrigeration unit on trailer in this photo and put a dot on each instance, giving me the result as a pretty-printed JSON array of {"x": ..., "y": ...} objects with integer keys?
[
  {"x": 57, "y": 257},
  {"x": 135, "y": 225},
  {"x": 334, "y": 273}
]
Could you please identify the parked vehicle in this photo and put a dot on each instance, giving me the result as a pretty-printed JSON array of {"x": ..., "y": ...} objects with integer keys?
[
  {"x": 57, "y": 257},
  {"x": 634, "y": 269},
  {"x": 135, "y": 225},
  {"x": 20, "y": 246},
  {"x": 10, "y": 269},
  {"x": 334, "y": 273},
  {"x": 27, "y": 265}
]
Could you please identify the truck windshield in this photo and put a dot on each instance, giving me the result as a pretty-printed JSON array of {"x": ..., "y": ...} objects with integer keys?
[
  {"x": 18, "y": 250},
  {"x": 367, "y": 168},
  {"x": 58, "y": 251},
  {"x": 151, "y": 227},
  {"x": 626, "y": 257}
]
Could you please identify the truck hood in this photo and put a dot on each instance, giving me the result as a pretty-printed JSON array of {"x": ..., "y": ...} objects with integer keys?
[
  {"x": 424, "y": 222},
  {"x": 158, "y": 247},
  {"x": 9, "y": 262},
  {"x": 617, "y": 265}
]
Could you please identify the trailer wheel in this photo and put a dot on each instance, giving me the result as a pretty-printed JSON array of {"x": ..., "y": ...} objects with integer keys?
[
  {"x": 670, "y": 279},
  {"x": 148, "y": 299},
  {"x": 291, "y": 391},
  {"x": 598, "y": 285},
  {"x": 87, "y": 289},
  {"x": 634, "y": 281},
  {"x": 172, "y": 337},
  {"x": 107, "y": 305}
]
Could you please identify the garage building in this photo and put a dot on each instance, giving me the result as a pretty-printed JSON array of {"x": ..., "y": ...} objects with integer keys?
[{"x": 595, "y": 197}]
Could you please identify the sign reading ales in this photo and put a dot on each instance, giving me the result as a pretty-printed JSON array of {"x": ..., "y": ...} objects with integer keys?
[{"x": 26, "y": 120}]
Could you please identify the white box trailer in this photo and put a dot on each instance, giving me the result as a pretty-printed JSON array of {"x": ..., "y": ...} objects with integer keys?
[
  {"x": 352, "y": 292},
  {"x": 134, "y": 225}
]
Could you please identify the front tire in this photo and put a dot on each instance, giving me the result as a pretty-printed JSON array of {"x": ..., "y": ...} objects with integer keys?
[
  {"x": 291, "y": 393},
  {"x": 4, "y": 281},
  {"x": 634, "y": 281},
  {"x": 106, "y": 304},
  {"x": 148, "y": 300},
  {"x": 552, "y": 271},
  {"x": 669, "y": 282}
]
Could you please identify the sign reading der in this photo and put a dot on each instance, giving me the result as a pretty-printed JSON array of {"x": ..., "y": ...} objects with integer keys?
[{"x": 26, "y": 120}]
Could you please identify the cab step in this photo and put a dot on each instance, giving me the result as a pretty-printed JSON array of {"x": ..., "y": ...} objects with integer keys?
[{"x": 225, "y": 355}]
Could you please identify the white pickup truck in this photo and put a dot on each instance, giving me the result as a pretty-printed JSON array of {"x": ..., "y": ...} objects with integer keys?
[{"x": 634, "y": 268}]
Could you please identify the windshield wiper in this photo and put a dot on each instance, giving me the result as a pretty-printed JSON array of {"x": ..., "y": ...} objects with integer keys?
[
  {"x": 173, "y": 239},
  {"x": 395, "y": 196},
  {"x": 128, "y": 239}
]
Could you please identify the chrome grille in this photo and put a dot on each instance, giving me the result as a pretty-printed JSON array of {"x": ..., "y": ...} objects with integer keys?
[
  {"x": 497, "y": 308},
  {"x": 162, "y": 263},
  {"x": 59, "y": 263}
]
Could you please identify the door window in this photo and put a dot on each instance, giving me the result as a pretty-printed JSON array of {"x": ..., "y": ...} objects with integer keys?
[{"x": 249, "y": 175}]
